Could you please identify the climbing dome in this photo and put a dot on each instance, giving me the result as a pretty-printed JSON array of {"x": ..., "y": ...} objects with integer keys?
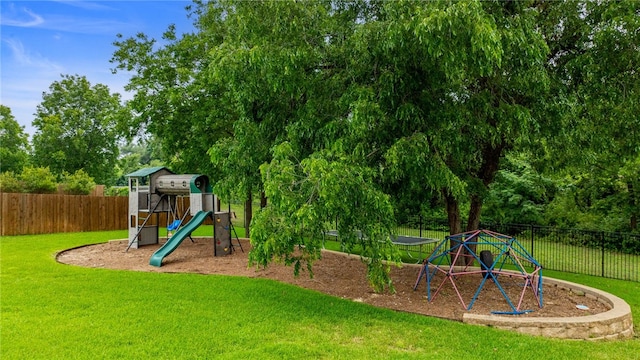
[{"x": 502, "y": 261}]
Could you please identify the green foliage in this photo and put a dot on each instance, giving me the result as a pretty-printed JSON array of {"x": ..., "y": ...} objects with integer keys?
[
  {"x": 447, "y": 90},
  {"x": 268, "y": 73},
  {"x": 10, "y": 182},
  {"x": 38, "y": 180},
  {"x": 174, "y": 100},
  {"x": 134, "y": 156},
  {"x": 519, "y": 195},
  {"x": 78, "y": 183},
  {"x": 76, "y": 129},
  {"x": 587, "y": 201},
  {"x": 116, "y": 191},
  {"x": 594, "y": 57},
  {"x": 14, "y": 143},
  {"x": 304, "y": 195},
  {"x": 237, "y": 159},
  {"x": 419, "y": 102}
]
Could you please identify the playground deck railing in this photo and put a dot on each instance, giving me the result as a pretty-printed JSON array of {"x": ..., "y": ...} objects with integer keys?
[{"x": 612, "y": 255}]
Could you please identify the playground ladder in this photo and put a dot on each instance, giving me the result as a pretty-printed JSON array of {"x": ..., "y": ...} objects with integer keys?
[{"x": 233, "y": 248}]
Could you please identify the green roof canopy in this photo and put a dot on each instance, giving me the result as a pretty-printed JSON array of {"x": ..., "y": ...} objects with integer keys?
[{"x": 146, "y": 171}]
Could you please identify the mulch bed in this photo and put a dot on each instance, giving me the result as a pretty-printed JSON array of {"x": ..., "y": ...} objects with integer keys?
[{"x": 342, "y": 276}]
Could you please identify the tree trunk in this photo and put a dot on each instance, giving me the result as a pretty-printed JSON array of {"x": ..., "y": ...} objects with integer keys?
[
  {"x": 633, "y": 221},
  {"x": 473, "y": 223},
  {"x": 248, "y": 213},
  {"x": 453, "y": 213},
  {"x": 455, "y": 223},
  {"x": 486, "y": 173},
  {"x": 263, "y": 200}
]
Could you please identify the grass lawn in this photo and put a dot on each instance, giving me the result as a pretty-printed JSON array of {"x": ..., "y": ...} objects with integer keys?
[{"x": 56, "y": 311}]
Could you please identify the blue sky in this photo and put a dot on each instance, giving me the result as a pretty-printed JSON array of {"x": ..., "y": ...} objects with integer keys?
[{"x": 43, "y": 39}]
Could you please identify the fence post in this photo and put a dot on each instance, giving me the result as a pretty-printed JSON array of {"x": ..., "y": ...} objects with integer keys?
[
  {"x": 533, "y": 228},
  {"x": 602, "y": 248},
  {"x": 420, "y": 223}
]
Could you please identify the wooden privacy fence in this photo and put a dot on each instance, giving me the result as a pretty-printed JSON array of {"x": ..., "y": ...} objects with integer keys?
[{"x": 28, "y": 214}]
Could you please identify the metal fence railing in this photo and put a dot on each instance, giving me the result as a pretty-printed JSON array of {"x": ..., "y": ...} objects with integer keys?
[{"x": 599, "y": 253}]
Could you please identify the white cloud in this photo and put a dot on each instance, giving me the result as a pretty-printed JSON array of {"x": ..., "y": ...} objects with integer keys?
[
  {"x": 22, "y": 17},
  {"x": 25, "y": 76},
  {"x": 23, "y": 58},
  {"x": 86, "y": 5},
  {"x": 85, "y": 25}
]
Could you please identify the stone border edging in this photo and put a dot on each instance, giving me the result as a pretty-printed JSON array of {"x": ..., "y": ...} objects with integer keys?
[{"x": 616, "y": 323}]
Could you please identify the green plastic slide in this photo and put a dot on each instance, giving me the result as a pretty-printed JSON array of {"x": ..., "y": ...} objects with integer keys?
[{"x": 176, "y": 239}]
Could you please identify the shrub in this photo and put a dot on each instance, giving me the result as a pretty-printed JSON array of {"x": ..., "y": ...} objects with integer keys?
[
  {"x": 117, "y": 191},
  {"x": 38, "y": 180},
  {"x": 10, "y": 183},
  {"x": 78, "y": 183}
]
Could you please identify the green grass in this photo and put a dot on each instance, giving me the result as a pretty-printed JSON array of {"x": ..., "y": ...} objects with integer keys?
[{"x": 56, "y": 311}]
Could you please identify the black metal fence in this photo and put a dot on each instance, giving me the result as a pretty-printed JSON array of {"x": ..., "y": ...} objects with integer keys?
[{"x": 599, "y": 253}]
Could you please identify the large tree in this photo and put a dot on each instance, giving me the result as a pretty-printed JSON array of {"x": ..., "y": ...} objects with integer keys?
[
  {"x": 355, "y": 100},
  {"x": 179, "y": 102},
  {"x": 145, "y": 152},
  {"x": 174, "y": 100},
  {"x": 269, "y": 74},
  {"x": 229, "y": 85},
  {"x": 455, "y": 87},
  {"x": 255, "y": 74},
  {"x": 351, "y": 107},
  {"x": 76, "y": 129},
  {"x": 14, "y": 143},
  {"x": 439, "y": 92}
]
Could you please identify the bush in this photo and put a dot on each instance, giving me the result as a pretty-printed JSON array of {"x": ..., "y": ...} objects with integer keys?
[
  {"x": 38, "y": 180},
  {"x": 78, "y": 183},
  {"x": 117, "y": 191},
  {"x": 10, "y": 183}
]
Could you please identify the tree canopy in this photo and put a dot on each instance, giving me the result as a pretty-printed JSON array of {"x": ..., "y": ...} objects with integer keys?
[
  {"x": 76, "y": 129},
  {"x": 347, "y": 113},
  {"x": 594, "y": 60},
  {"x": 14, "y": 143}
]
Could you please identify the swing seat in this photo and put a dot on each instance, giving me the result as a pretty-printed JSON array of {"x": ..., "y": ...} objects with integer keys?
[{"x": 174, "y": 225}]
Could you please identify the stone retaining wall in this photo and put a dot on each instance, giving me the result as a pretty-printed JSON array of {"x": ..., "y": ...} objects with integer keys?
[{"x": 616, "y": 323}]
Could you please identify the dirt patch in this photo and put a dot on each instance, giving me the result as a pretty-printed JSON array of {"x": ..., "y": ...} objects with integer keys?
[{"x": 342, "y": 276}]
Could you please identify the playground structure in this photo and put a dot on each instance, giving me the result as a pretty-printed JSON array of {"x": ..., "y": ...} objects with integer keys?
[
  {"x": 495, "y": 252},
  {"x": 157, "y": 190}
]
